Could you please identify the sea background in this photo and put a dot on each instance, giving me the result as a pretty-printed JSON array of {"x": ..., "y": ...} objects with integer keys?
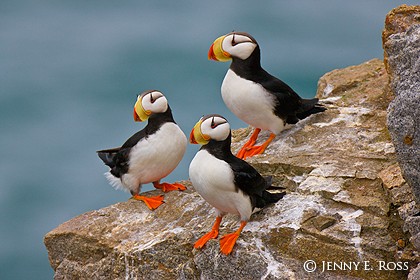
[{"x": 70, "y": 72}]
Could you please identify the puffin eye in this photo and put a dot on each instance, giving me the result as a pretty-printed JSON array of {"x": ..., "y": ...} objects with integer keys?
[
  {"x": 213, "y": 124},
  {"x": 233, "y": 40},
  {"x": 151, "y": 98}
]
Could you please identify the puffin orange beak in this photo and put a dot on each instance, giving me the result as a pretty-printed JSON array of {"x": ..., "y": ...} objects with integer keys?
[
  {"x": 136, "y": 116},
  {"x": 211, "y": 55},
  {"x": 216, "y": 51},
  {"x": 192, "y": 138}
]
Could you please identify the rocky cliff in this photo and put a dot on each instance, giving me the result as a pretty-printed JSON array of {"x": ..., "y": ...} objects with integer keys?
[
  {"x": 401, "y": 43},
  {"x": 348, "y": 213}
]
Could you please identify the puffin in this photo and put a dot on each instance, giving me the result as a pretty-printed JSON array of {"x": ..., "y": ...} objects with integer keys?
[
  {"x": 150, "y": 154},
  {"x": 226, "y": 182},
  {"x": 253, "y": 95}
]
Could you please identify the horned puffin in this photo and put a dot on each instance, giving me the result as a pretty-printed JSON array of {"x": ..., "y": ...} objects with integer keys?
[
  {"x": 150, "y": 154},
  {"x": 253, "y": 95},
  {"x": 226, "y": 182}
]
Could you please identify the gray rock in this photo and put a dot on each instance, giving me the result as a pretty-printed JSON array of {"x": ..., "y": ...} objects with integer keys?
[
  {"x": 414, "y": 274},
  {"x": 415, "y": 240},
  {"x": 402, "y": 195},
  {"x": 408, "y": 209},
  {"x": 412, "y": 224},
  {"x": 401, "y": 42}
]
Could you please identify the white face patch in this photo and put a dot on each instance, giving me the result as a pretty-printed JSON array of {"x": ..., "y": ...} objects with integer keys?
[
  {"x": 155, "y": 102},
  {"x": 216, "y": 127},
  {"x": 238, "y": 45}
]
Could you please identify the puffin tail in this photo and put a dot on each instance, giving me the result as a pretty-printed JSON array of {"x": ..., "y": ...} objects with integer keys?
[
  {"x": 269, "y": 197},
  {"x": 309, "y": 107},
  {"x": 107, "y": 156},
  {"x": 266, "y": 197},
  {"x": 269, "y": 182}
]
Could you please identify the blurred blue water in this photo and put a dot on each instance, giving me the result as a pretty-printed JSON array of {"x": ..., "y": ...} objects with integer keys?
[{"x": 70, "y": 72}]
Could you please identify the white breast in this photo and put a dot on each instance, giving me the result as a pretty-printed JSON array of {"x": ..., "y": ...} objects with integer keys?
[
  {"x": 213, "y": 179},
  {"x": 154, "y": 157},
  {"x": 250, "y": 102}
]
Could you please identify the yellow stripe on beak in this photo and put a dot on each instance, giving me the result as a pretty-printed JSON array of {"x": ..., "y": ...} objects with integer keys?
[
  {"x": 140, "y": 115},
  {"x": 197, "y": 137}
]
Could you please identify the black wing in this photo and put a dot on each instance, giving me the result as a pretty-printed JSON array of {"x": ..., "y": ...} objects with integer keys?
[
  {"x": 289, "y": 105},
  {"x": 246, "y": 177},
  {"x": 133, "y": 140},
  {"x": 253, "y": 184},
  {"x": 288, "y": 101}
]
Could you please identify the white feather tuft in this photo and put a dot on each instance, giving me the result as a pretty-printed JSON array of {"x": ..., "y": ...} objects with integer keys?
[{"x": 114, "y": 181}]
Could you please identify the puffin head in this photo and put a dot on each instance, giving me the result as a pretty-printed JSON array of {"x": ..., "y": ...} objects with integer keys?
[
  {"x": 148, "y": 103},
  {"x": 235, "y": 44},
  {"x": 210, "y": 127}
]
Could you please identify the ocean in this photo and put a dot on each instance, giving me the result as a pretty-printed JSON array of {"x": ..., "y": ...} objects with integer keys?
[{"x": 70, "y": 73}]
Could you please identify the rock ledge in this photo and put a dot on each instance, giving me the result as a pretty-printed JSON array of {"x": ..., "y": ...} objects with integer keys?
[{"x": 345, "y": 198}]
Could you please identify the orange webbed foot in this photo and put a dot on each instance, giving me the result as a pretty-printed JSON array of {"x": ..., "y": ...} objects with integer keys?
[
  {"x": 167, "y": 187},
  {"x": 250, "y": 150},
  {"x": 151, "y": 202},
  {"x": 203, "y": 240},
  {"x": 228, "y": 241},
  {"x": 210, "y": 235},
  {"x": 250, "y": 143}
]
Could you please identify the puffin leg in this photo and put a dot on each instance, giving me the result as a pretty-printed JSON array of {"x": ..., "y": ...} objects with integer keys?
[
  {"x": 228, "y": 241},
  {"x": 151, "y": 202},
  {"x": 167, "y": 187},
  {"x": 250, "y": 143},
  {"x": 210, "y": 235},
  {"x": 256, "y": 150}
]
